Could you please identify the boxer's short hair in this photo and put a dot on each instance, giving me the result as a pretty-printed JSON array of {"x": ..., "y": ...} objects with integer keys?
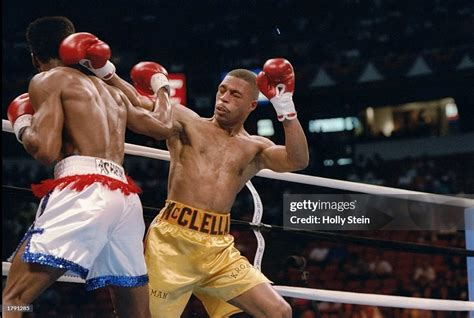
[
  {"x": 247, "y": 76},
  {"x": 44, "y": 35}
]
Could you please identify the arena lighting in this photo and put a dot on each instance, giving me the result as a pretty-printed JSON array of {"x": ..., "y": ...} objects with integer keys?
[
  {"x": 265, "y": 127},
  {"x": 344, "y": 161},
  {"x": 387, "y": 128},
  {"x": 390, "y": 119},
  {"x": 333, "y": 124},
  {"x": 328, "y": 162},
  {"x": 451, "y": 111},
  {"x": 370, "y": 114},
  {"x": 339, "y": 162}
]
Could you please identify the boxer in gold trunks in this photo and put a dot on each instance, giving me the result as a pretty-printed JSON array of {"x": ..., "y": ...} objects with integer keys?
[{"x": 188, "y": 245}]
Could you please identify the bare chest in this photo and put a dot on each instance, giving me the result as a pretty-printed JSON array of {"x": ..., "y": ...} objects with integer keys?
[{"x": 221, "y": 153}]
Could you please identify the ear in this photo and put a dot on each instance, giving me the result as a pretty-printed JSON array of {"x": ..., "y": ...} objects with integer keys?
[
  {"x": 35, "y": 61},
  {"x": 253, "y": 105}
]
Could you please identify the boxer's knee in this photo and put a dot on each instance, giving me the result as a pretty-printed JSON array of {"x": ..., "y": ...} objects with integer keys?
[{"x": 280, "y": 309}]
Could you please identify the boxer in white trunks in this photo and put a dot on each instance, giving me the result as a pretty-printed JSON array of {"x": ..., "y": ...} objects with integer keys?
[{"x": 90, "y": 217}]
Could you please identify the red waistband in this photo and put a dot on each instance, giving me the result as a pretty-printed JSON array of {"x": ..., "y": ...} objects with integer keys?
[{"x": 81, "y": 181}]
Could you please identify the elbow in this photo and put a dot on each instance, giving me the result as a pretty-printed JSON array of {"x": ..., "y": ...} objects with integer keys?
[
  {"x": 48, "y": 154},
  {"x": 46, "y": 149},
  {"x": 300, "y": 164},
  {"x": 305, "y": 163},
  {"x": 45, "y": 157}
]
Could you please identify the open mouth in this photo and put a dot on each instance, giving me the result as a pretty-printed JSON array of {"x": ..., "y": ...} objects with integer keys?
[{"x": 222, "y": 109}]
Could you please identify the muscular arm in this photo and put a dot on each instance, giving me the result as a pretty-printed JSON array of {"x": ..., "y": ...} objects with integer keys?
[
  {"x": 153, "y": 119},
  {"x": 43, "y": 139},
  {"x": 159, "y": 125},
  {"x": 136, "y": 99},
  {"x": 291, "y": 157}
]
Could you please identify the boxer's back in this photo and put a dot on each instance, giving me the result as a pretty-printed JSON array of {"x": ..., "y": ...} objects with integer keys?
[{"x": 94, "y": 113}]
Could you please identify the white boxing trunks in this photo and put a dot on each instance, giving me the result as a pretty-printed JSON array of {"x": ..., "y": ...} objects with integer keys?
[{"x": 91, "y": 223}]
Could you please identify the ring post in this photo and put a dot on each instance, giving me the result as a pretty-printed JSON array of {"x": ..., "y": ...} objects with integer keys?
[{"x": 469, "y": 228}]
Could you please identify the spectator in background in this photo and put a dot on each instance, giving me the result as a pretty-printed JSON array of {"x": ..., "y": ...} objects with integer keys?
[
  {"x": 318, "y": 254},
  {"x": 424, "y": 272},
  {"x": 309, "y": 313},
  {"x": 355, "y": 311},
  {"x": 380, "y": 267},
  {"x": 357, "y": 268},
  {"x": 370, "y": 312}
]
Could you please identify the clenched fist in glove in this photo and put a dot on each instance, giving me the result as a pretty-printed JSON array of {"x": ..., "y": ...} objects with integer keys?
[
  {"x": 149, "y": 77},
  {"x": 86, "y": 49},
  {"x": 277, "y": 82},
  {"x": 19, "y": 113}
]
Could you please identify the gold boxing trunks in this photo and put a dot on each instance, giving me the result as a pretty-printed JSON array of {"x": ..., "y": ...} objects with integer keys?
[{"x": 188, "y": 250}]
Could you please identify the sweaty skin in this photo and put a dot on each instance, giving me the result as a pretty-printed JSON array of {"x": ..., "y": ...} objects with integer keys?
[
  {"x": 75, "y": 114},
  {"x": 209, "y": 166},
  {"x": 212, "y": 159}
]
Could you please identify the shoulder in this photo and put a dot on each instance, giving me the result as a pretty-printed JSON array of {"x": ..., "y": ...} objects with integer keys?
[
  {"x": 183, "y": 113},
  {"x": 101, "y": 84},
  {"x": 60, "y": 72},
  {"x": 261, "y": 141},
  {"x": 260, "y": 145},
  {"x": 55, "y": 78}
]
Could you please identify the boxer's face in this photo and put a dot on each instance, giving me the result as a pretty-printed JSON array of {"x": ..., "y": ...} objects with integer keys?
[{"x": 233, "y": 100}]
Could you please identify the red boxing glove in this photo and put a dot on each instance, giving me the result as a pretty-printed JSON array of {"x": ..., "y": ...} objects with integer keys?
[
  {"x": 277, "y": 82},
  {"x": 89, "y": 51},
  {"x": 19, "y": 113},
  {"x": 149, "y": 77}
]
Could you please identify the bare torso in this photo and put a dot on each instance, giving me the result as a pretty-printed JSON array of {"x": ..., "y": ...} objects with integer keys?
[
  {"x": 208, "y": 166},
  {"x": 94, "y": 113}
]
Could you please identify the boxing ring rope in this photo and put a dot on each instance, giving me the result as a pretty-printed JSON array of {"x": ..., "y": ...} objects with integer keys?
[
  {"x": 308, "y": 293},
  {"x": 340, "y": 297},
  {"x": 143, "y": 151},
  {"x": 418, "y": 248}
]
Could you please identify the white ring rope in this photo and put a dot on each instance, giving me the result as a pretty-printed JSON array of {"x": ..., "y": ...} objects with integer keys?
[
  {"x": 308, "y": 293},
  {"x": 375, "y": 300},
  {"x": 312, "y": 180},
  {"x": 256, "y": 221},
  {"x": 341, "y": 297}
]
